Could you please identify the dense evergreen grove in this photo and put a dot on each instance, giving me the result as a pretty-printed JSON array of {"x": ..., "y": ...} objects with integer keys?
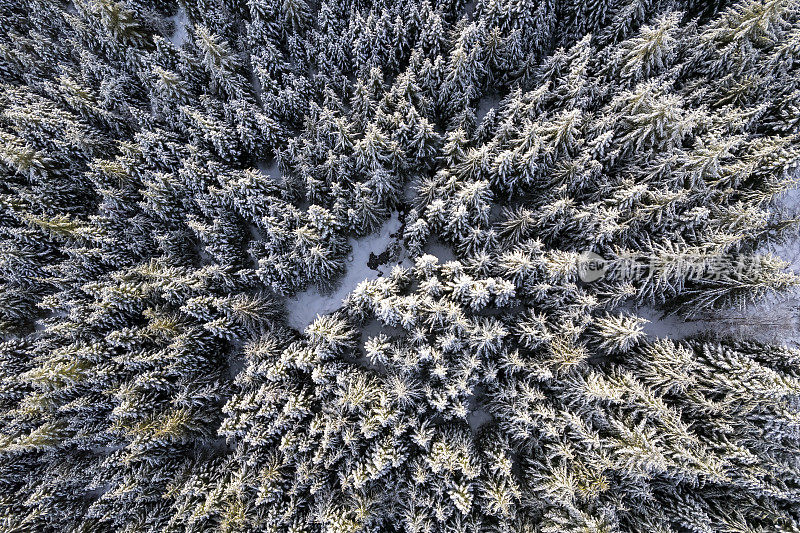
[{"x": 149, "y": 380}]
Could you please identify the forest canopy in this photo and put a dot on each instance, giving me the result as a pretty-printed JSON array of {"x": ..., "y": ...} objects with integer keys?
[{"x": 178, "y": 176}]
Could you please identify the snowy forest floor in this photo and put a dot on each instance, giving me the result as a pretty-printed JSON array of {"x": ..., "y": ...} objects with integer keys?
[
  {"x": 371, "y": 257},
  {"x": 772, "y": 319}
]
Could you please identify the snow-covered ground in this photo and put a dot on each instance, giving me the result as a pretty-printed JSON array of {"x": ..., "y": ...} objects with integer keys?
[
  {"x": 442, "y": 251},
  {"x": 485, "y": 105},
  {"x": 181, "y": 33},
  {"x": 661, "y": 326},
  {"x": 270, "y": 170},
  {"x": 775, "y": 318},
  {"x": 304, "y": 306}
]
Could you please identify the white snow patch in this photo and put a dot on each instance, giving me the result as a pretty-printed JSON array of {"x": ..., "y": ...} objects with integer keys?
[
  {"x": 52, "y": 319},
  {"x": 97, "y": 491},
  {"x": 440, "y": 250},
  {"x": 237, "y": 360},
  {"x": 373, "y": 328},
  {"x": 255, "y": 80},
  {"x": 484, "y": 106},
  {"x": 789, "y": 250},
  {"x": 181, "y": 20},
  {"x": 469, "y": 9},
  {"x": 257, "y": 89},
  {"x": 775, "y": 318},
  {"x": 770, "y": 320},
  {"x": 270, "y": 170},
  {"x": 304, "y": 307},
  {"x": 661, "y": 326},
  {"x": 409, "y": 190},
  {"x": 478, "y": 418}
]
